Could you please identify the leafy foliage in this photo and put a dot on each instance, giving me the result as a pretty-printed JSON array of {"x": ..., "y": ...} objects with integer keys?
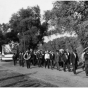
[
  {"x": 62, "y": 43},
  {"x": 26, "y": 23},
  {"x": 70, "y": 16}
]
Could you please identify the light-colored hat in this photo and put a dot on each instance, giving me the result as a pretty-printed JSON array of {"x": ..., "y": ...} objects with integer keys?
[{"x": 61, "y": 50}]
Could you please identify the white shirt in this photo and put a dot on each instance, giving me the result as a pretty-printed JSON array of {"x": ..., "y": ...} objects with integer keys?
[
  {"x": 68, "y": 53},
  {"x": 47, "y": 56},
  {"x": 82, "y": 56},
  {"x": 74, "y": 54},
  {"x": 24, "y": 55},
  {"x": 66, "y": 56}
]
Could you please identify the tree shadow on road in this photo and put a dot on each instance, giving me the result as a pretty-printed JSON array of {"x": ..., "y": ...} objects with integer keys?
[
  {"x": 6, "y": 78},
  {"x": 15, "y": 76}
]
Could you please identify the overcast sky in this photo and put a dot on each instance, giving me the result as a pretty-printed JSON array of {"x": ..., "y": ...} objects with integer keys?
[{"x": 8, "y": 7}]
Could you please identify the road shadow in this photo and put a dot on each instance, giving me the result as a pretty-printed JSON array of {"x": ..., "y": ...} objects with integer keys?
[
  {"x": 13, "y": 84},
  {"x": 6, "y": 78},
  {"x": 22, "y": 82},
  {"x": 19, "y": 75}
]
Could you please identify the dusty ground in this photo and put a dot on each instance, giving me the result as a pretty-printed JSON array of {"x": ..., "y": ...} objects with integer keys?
[
  {"x": 9, "y": 78},
  {"x": 36, "y": 76}
]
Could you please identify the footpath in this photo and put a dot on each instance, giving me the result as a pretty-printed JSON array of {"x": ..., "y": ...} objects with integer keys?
[{"x": 54, "y": 77}]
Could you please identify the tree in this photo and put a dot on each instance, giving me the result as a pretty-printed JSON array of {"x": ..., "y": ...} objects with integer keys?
[
  {"x": 71, "y": 16},
  {"x": 12, "y": 36},
  {"x": 2, "y": 40},
  {"x": 27, "y": 23}
]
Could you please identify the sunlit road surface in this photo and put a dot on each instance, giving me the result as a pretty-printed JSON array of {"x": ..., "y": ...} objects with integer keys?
[
  {"x": 9, "y": 78},
  {"x": 16, "y": 76}
]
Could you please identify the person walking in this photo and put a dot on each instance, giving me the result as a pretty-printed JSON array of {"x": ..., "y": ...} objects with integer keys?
[
  {"x": 65, "y": 60},
  {"x": 27, "y": 57},
  {"x": 68, "y": 60},
  {"x": 15, "y": 59},
  {"x": 34, "y": 58},
  {"x": 47, "y": 59},
  {"x": 57, "y": 59},
  {"x": 74, "y": 60},
  {"x": 37, "y": 57},
  {"x": 40, "y": 58},
  {"x": 83, "y": 60},
  {"x": 63, "y": 56},
  {"x": 22, "y": 60},
  {"x": 52, "y": 59},
  {"x": 86, "y": 62},
  {"x": 43, "y": 60}
]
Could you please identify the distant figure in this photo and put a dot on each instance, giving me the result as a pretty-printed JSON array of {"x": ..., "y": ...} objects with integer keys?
[
  {"x": 74, "y": 60},
  {"x": 20, "y": 59},
  {"x": 52, "y": 59},
  {"x": 60, "y": 57},
  {"x": 43, "y": 60},
  {"x": 86, "y": 62},
  {"x": 68, "y": 61},
  {"x": 27, "y": 57},
  {"x": 47, "y": 59},
  {"x": 14, "y": 58},
  {"x": 34, "y": 58},
  {"x": 57, "y": 59},
  {"x": 64, "y": 60},
  {"x": 83, "y": 60},
  {"x": 40, "y": 58},
  {"x": 37, "y": 57}
]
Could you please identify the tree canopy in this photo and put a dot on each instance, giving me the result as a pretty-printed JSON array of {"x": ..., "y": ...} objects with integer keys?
[
  {"x": 70, "y": 16},
  {"x": 26, "y": 23},
  {"x": 65, "y": 16}
]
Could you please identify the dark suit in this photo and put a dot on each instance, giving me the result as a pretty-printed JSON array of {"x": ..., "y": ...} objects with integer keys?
[
  {"x": 52, "y": 59},
  {"x": 68, "y": 62},
  {"x": 43, "y": 60},
  {"x": 64, "y": 60},
  {"x": 20, "y": 59},
  {"x": 27, "y": 55},
  {"x": 37, "y": 58},
  {"x": 32, "y": 59},
  {"x": 15, "y": 59},
  {"x": 74, "y": 61},
  {"x": 40, "y": 59},
  {"x": 86, "y": 63},
  {"x": 57, "y": 59}
]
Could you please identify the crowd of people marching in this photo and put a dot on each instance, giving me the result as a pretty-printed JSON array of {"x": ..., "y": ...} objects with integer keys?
[{"x": 58, "y": 59}]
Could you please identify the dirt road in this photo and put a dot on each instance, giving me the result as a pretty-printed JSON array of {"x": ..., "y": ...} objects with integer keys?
[{"x": 54, "y": 77}]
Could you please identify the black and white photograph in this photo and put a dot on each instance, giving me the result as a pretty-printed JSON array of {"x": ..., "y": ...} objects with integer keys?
[{"x": 43, "y": 43}]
